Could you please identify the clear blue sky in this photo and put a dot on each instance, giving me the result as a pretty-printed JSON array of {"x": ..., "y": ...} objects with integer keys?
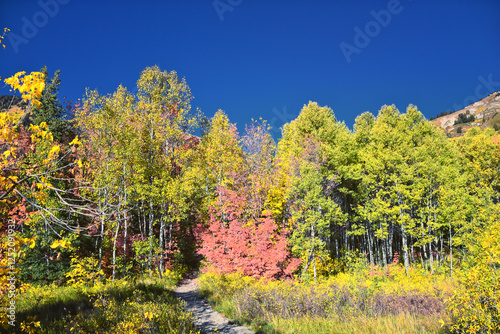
[{"x": 266, "y": 58}]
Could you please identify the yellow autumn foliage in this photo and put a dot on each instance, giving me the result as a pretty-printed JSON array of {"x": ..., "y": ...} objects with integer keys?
[
  {"x": 30, "y": 86},
  {"x": 475, "y": 305},
  {"x": 5, "y": 30},
  {"x": 84, "y": 272}
]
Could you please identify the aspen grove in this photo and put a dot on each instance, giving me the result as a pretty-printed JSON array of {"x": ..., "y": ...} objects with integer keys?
[{"x": 145, "y": 184}]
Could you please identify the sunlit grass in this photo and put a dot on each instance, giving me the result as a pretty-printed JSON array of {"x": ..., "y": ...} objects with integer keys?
[
  {"x": 400, "y": 323},
  {"x": 361, "y": 301},
  {"x": 125, "y": 306}
]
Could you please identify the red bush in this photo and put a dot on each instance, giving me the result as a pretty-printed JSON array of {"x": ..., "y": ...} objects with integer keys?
[{"x": 235, "y": 243}]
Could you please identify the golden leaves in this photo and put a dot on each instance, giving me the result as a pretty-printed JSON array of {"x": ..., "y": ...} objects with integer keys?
[
  {"x": 30, "y": 242},
  {"x": 7, "y": 133},
  {"x": 60, "y": 243},
  {"x": 75, "y": 141},
  {"x": 54, "y": 151},
  {"x": 5, "y": 30},
  {"x": 40, "y": 132},
  {"x": 31, "y": 86}
]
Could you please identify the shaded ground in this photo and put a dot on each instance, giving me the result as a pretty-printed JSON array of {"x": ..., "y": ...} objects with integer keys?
[{"x": 206, "y": 319}]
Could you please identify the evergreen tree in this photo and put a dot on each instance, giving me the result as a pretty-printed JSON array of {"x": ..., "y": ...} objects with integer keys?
[{"x": 51, "y": 110}]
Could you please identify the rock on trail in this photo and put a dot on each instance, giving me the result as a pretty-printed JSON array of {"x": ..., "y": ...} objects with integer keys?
[{"x": 205, "y": 318}]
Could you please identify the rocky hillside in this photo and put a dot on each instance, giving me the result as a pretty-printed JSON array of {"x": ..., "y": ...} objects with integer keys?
[{"x": 484, "y": 113}]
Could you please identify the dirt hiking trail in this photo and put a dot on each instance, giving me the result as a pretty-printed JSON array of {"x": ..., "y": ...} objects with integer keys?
[{"x": 205, "y": 318}]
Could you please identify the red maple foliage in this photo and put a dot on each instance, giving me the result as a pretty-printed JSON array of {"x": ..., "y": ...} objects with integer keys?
[{"x": 253, "y": 247}]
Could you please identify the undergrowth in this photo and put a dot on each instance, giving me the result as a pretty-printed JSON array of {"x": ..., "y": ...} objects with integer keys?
[
  {"x": 140, "y": 305},
  {"x": 365, "y": 301}
]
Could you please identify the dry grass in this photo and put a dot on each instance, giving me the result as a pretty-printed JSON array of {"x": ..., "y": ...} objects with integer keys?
[
  {"x": 358, "y": 302},
  {"x": 400, "y": 323}
]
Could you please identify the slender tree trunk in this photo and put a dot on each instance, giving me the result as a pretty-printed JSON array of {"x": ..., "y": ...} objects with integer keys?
[
  {"x": 114, "y": 248},
  {"x": 423, "y": 247},
  {"x": 170, "y": 242},
  {"x": 405, "y": 250},
  {"x": 100, "y": 244},
  {"x": 412, "y": 250},
  {"x": 312, "y": 253},
  {"x": 403, "y": 235},
  {"x": 309, "y": 260},
  {"x": 431, "y": 258},
  {"x": 336, "y": 248},
  {"x": 347, "y": 245},
  {"x": 437, "y": 259},
  {"x": 441, "y": 256},
  {"x": 145, "y": 221},
  {"x": 314, "y": 266},
  {"x": 151, "y": 215},
  {"x": 47, "y": 255},
  {"x": 331, "y": 238},
  {"x": 311, "y": 256},
  {"x": 451, "y": 253},
  {"x": 125, "y": 222},
  {"x": 384, "y": 252},
  {"x": 101, "y": 237},
  {"x": 103, "y": 214},
  {"x": 162, "y": 231},
  {"x": 139, "y": 219},
  {"x": 426, "y": 258},
  {"x": 390, "y": 241},
  {"x": 141, "y": 215},
  {"x": 383, "y": 247},
  {"x": 370, "y": 244}
]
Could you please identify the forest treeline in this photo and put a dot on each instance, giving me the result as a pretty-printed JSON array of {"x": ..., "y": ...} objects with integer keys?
[
  {"x": 142, "y": 183},
  {"x": 143, "y": 191}
]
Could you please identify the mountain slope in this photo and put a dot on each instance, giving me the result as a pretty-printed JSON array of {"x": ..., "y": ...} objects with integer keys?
[{"x": 486, "y": 113}]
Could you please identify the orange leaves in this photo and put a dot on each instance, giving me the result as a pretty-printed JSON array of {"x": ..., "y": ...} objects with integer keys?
[{"x": 496, "y": 139}]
